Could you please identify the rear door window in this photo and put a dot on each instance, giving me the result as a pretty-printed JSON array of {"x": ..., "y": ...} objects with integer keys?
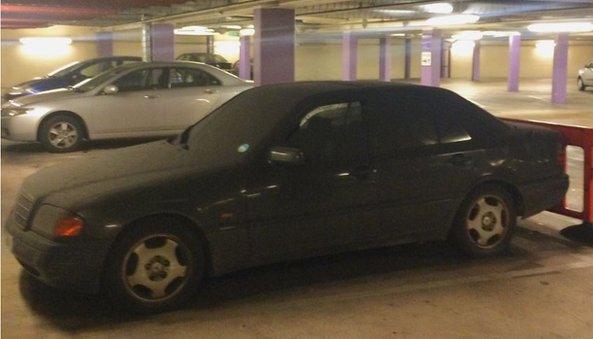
[{"x": 401, "y": 124}]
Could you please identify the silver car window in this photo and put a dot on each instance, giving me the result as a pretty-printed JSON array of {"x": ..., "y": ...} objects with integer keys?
[{"x": 191, "y": 77}]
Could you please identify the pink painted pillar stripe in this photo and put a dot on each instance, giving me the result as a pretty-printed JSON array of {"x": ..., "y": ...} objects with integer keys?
[
  {"x": 431, "y": 70},
  {"x": 514, "y": 62},
  {"x": 349, "y": 56},
  {"x": 273, "y": 45},
  {"x": 244, "y": 57},
  {"x": 560, "y": 69},
  {"x": 104, "y": 44},
  {"x": 162, "y": 41},
  {"x": 476, "y": 62},
  {"x": 384, "y": 59}
]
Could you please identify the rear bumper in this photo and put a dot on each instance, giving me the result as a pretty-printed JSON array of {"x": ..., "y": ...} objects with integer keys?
[
  {"x": 64, "y": 265},
  {"x": 543, "y": 194}
]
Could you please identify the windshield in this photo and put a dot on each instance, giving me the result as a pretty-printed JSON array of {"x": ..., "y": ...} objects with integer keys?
[
  {"x": 91, "y": 84},
  {"x": 64, "y": 69}
]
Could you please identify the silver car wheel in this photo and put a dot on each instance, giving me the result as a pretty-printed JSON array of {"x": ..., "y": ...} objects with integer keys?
[
  {"x": 580, "y": 85},
  {"x": 487, "y": 221},
  {"x": 156, "y": 268},
  {"x": 63, "y": 135}
]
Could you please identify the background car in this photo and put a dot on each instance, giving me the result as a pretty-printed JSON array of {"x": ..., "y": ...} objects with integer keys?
[
  {"x": 585, "y": 77},
  {"x": 282, "y": 172},
  {"x": 235, "y": 68},
  {"x": 207, "y": 58},
  {"x": 68, "y": 75},
  {"x": 136, "y": 100}
]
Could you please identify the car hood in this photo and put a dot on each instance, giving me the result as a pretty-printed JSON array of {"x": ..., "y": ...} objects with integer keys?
[
  {"x": 107, "y": 173},
  {"x": 47, "y": 96}
]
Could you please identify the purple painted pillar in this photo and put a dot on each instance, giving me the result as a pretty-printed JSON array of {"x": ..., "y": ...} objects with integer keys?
[
  {"x": 104, "y": 44},
  {"x": 431, "y": 58},
  {"x": 560, "y": 69},
  {"x": 162, "y": 40},
  {"x": 407, "y": 58},
  {"x": 476, "y": 62},
  {"x": 349, "y": 56},
  {"x": 384, "y": 59},
  {"x": 273, "y": 45},
  {"x": 244, "y": 57},
  {"x": 514, "y": 62}
]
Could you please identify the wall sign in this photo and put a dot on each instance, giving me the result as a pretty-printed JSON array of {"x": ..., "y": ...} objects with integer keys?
[{"x": 426, "y": 59}]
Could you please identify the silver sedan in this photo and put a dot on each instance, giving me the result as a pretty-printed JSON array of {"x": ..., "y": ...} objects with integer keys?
[{"x": 136, "y": 100}]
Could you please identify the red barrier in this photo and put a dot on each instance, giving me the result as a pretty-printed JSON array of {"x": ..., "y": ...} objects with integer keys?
[{"x": 581, "y": 137}]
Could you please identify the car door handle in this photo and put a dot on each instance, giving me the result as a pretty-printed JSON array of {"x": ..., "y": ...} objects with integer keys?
[
  {"x": 458, "y": 160},
  {"x": 362, "y": 172},
  {"x": 209, "y": 91},
  {"x": 150, "y": 96}
]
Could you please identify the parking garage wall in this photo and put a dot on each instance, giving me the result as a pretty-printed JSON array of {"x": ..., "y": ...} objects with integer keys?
[
  {"x": 20, "y": 63},
  {"x": 535, "y": 62}
]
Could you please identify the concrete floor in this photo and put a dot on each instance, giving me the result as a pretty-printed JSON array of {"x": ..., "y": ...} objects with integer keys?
[{"x": 542, "y": 288}]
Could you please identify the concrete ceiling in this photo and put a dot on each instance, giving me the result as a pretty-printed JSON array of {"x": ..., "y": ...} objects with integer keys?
[{"x": 328, "y": 16}]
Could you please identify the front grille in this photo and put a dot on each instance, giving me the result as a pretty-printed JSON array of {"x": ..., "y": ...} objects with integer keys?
[{"x": 23, "y": 209}]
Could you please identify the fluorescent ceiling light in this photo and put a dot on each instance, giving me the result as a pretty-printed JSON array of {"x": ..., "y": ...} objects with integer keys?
[
  {"x": 456, "y": 19},
  {"x": 46, "y": 41},
  {"x": 499, "y": 34},
  {"x": 194, "y": 30},
  {"x": 231, "y": 26},
  {"x": 395, "y": 11},
  {"x": 555, "y": 27},
  {"x": 468, "y": 35},
  {"x": 397, "y": 34},
  {"x": 438, "y": 8},
  {"x": 247, "y": 32}
]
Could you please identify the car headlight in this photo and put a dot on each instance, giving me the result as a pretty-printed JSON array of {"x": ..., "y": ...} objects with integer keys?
[
  {"x": 14, "y": 111},
  {"x": 55, "y": 222}
]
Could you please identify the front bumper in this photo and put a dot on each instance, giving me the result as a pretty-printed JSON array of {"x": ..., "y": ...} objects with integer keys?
[
  {"x": 543, "y": 194},
  {"x": 20, "y": 128},
  {"x": 73, "y": 265}
]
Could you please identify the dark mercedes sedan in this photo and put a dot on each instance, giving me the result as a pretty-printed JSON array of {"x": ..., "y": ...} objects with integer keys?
[{"x": 283, "y": 172}]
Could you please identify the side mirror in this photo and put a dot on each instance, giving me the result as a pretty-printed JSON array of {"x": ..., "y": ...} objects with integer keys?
[
  {"x": 286, "y": 155},
  {"x": 110, "y": 89}
]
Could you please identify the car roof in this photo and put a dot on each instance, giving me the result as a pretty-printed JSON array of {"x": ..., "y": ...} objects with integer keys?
[{"x": 119, "y": 57}]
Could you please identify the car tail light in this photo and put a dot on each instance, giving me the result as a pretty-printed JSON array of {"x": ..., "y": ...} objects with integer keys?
[{"x": 69, "y": 226}]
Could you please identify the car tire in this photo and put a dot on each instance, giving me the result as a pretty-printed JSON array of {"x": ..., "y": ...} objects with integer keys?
[
  {"x": 155, "y": 267},
  {"x": 580, "y": 84},
  {"x": 485, "y": 222},
  {"x": 61, "y": 134}
]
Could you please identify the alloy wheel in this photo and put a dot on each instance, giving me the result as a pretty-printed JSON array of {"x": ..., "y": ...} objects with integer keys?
[
  {"x": 63, "y": 135},
  {"x": 487, "y": 221},
  {"x": 156, "y": 268}
]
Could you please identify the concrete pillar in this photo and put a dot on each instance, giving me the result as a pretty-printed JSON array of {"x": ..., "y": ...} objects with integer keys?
[
  {"x": 349, "y": 56},
  {"x": 158, "y": 42},
  {"x": 476, "y": 62},
  {"x": 273, "y": 45},
  {"x": 431, "y": 58},
  {"x": 514, "y": 62},
  {"x": 560, "y": 69},
  {"x": 104, "y": 44},
  {"x": 244, "y": 57},
  {"x": 384, "y": 59},
  {"x": 209, "y": 44},
  {"x": 407, "y": 58}
]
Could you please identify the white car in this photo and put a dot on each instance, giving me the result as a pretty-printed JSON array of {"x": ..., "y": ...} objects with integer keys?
[
  {"x": 585, "y": 76},
  {"x": 136, "y": 100}
]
